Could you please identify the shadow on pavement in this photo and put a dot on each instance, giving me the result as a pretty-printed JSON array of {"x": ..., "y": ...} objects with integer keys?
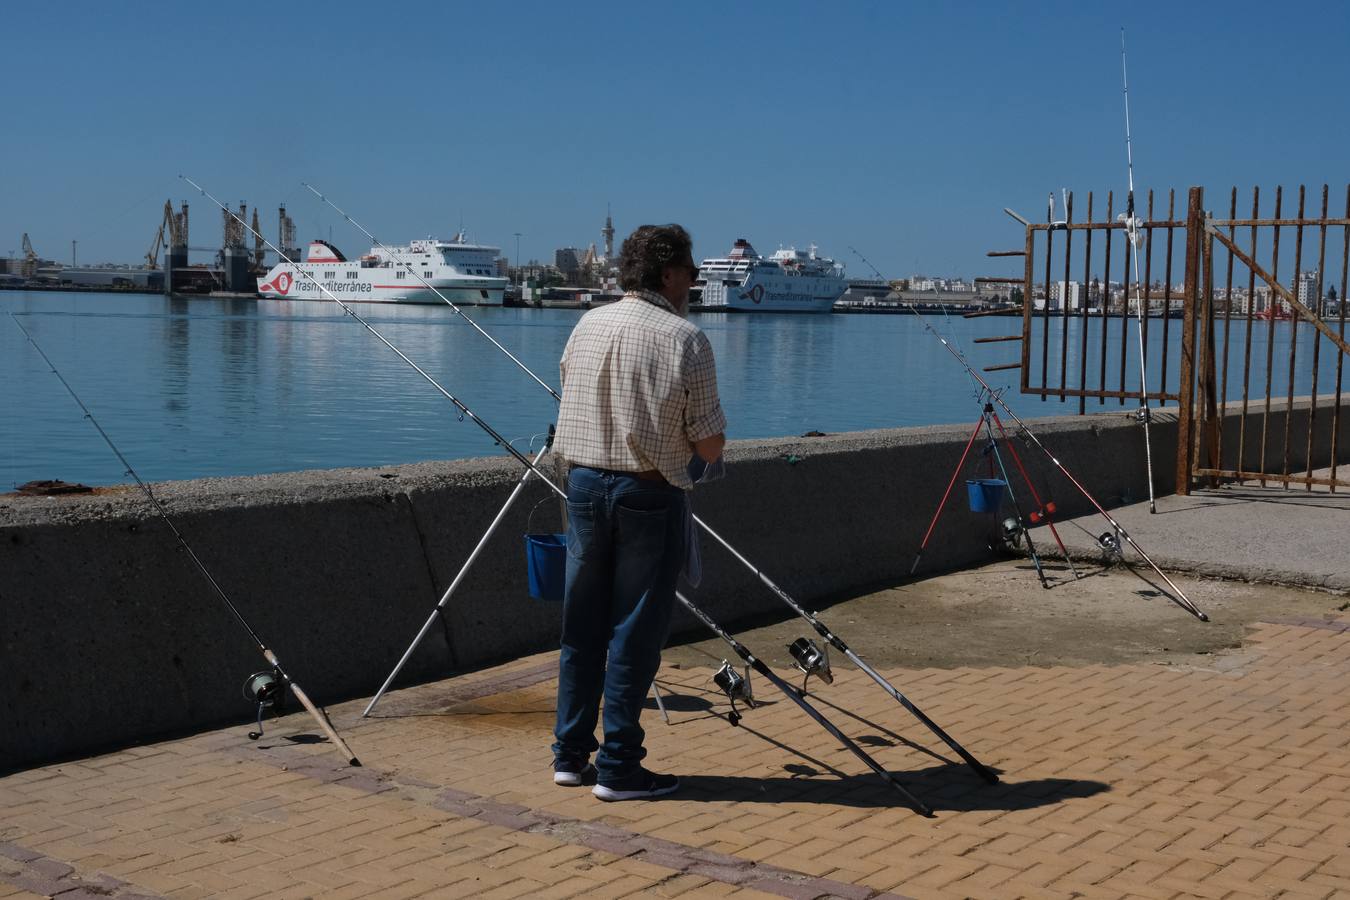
[{"x": 950, "y": 788}]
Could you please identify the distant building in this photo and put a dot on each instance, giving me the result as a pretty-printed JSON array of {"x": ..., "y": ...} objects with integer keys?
[
  {"x": 1065, "y": 295},
  {"x": 567, "y": 260},
  {"x": 1308, "y": 293}
]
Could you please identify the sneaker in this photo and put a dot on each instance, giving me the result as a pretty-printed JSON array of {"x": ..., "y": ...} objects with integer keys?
[
  {"x": 638, "y": 786},
  {"x": 573, "y": 772}
]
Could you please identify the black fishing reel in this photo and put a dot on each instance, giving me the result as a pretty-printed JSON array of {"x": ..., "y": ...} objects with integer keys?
[
  {"x": 1011, "y": 533},
  {"x": 267, "y": 690},
  {"x": 736, "y": 686},
  {"x": 1109, "y": 544},
  {"x": 810, "y": 659}
]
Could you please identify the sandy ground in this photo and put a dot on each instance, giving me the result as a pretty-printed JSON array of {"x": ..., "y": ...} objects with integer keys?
[{"x": 999, "y": 615}]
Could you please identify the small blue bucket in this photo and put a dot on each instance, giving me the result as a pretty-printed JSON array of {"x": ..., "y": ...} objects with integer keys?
[
  {"x": 546, "y": 563},
  {"x": 986, "y": 494}
]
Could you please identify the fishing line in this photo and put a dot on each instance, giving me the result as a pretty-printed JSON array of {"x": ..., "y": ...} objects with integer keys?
[
  {"x": 267, "y": 653},
  {"x": 820, "y": 628},
  {"x": 1181, "y": 599},
  {"x": 533, "y": 469}
]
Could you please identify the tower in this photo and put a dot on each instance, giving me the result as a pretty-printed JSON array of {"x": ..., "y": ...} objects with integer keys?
[{"x": 608, "y": 234}]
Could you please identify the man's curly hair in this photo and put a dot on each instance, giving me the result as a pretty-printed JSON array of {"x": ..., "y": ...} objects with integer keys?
[{"x": 647, "y": 252}]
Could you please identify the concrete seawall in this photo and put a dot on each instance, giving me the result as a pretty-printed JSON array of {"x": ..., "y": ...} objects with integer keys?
[{"x": 110, "y": 635}]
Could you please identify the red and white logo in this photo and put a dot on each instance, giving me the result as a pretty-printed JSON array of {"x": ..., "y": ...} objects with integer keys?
[{"x": 281, "y": 285}]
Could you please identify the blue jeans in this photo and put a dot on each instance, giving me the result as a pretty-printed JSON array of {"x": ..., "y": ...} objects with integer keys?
[{"x": 625, "y": 549}]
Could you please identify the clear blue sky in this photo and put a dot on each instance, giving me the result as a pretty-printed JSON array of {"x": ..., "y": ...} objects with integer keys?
[{"x": 898, "y": 128}]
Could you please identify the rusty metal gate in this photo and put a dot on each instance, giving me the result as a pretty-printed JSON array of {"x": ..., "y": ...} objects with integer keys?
[{"x": 1237, "y": 410}]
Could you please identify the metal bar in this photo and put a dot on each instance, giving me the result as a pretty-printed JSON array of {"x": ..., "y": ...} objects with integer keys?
[
  {"x": 1340, "y": 360},
  {"x": 1224, "y": 223},
  {"x": 1270, "y": 331},
  {"x": 1110, "y": 394},
  {"x": 1125, "y": 308},
  {"x": 1208, "y": 434},
  {"x": 1003, "y": 367},
  {"x": 1045, "y": 311},
  {"x": 1146, "y": 295},
  {"x": 1186, "y": 377},
  {"x": 1263, "y": 476},
  {"x": 1006, "y": 253},
  {"x": 995, "y": 340},
  {"x": 985, "y": 313},
  {"x": 1106, "y": 303},
  {"x": 1247, "y": 351},
  {"x": 1109, "y": 225},
  {"x": 1317, "y": 335},
  {"x": 1083, "y": 310},
  {"x": 1227, "y": 309},
  {"x": 1064, "y": 297},
  {"x": 1167, "y": 288},
  {"x": 1027, "y": 275},
  {"x": 1293, "y": 336}
]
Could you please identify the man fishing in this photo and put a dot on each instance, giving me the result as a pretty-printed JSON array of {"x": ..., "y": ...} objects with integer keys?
[{"x": 639, "y": 397}]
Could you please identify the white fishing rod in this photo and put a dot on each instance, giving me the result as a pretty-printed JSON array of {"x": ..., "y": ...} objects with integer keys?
[
  {"x": 1181, "y": 599},
  {"x": 750, "y": 659},
  {"x": 832, "y": 639},
  {"x": 1136, "y": 239},
  {"x": 266, "y": 651}
]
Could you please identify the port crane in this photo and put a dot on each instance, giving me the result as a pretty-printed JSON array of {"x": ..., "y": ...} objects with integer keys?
[
  {"x": 176, "y": 224},
  {"x": 29, "y": 267}
]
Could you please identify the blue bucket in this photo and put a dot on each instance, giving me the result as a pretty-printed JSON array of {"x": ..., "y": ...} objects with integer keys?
[
  {"x": 986, "y": 494},
  {"x": 546, "y": 563}
]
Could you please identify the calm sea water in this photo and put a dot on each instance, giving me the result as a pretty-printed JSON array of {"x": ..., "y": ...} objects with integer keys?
[{"x": 190, "y": 388}]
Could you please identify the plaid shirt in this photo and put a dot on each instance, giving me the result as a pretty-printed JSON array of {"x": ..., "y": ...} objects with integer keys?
[{"x": 639, "y": 387}]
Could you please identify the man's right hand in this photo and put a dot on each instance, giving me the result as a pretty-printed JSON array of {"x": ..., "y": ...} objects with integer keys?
[{"x": 710, "y": 448}]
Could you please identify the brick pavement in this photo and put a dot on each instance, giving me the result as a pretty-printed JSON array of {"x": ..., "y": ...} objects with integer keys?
[{"x": 1227, "y": 780}]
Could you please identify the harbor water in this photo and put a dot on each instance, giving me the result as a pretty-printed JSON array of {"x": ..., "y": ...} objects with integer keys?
[{"x": 192, "y": 388}]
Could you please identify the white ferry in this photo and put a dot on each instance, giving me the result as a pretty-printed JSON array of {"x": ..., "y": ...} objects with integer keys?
[
  {"x": 791, "y": 280},
  {"x": 466, "y": 274}
]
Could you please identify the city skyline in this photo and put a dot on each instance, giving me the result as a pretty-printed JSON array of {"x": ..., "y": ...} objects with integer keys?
[{"x": 900, "y": 131}]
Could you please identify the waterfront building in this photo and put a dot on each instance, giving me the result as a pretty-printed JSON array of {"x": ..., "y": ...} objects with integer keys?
[{"x": 1308, "y": 293}]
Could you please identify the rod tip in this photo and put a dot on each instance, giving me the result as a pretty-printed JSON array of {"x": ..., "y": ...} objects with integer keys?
[{"x": 355, "y": 762}]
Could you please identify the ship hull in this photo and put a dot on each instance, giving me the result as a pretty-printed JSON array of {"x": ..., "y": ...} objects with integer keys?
[
  {"x": 375, "y": 285},
  {"x": 785, "y": 294}
]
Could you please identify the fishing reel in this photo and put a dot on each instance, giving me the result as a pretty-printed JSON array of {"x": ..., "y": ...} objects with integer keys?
[
  {"x": 736, "y": 686},
  {"x": 810, "y": 659},
  {"x": 1109, "y": 544},
  {"x": 1133, "y": 228},
  {"x": 1143, "y": 415},
  {"x": 1011, "y": 531},
  {"x": 267, "y": 690}
]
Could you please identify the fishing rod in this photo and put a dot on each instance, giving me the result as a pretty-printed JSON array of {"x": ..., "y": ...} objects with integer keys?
[
  {"x": 1181, "y": 599},
  {"x": 750, "y": 659},
  {"x": 1135, "y": 238},
  {"x": 265, "y": 695},
  {"x": 820, "y": 628}
]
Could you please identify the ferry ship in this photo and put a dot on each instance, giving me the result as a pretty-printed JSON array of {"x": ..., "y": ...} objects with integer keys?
[
  {"x": 790, "y": 280},
  {"x": 464, "y": 273}
]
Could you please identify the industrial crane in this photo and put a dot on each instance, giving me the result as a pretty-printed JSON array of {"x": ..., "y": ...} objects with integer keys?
[
  {"x": 176, "y": 226},
  {"x": 29, "y": 267}
]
